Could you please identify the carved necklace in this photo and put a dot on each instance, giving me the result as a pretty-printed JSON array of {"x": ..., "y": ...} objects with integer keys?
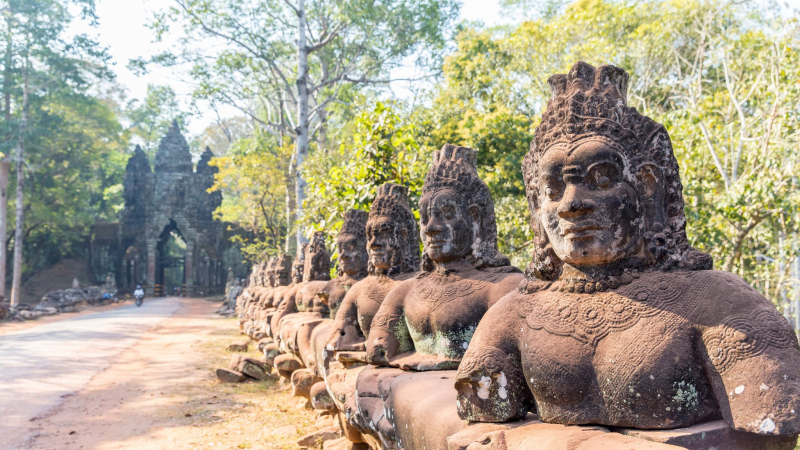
[{"x": 580, "y": 283}]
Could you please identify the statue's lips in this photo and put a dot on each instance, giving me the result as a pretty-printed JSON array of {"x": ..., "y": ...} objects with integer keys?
[
  {"x": 437, "y": 244},
  {"x": 581, "y": 230}
]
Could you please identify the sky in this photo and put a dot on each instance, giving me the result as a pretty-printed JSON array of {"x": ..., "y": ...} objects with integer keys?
[{"x": 122, "y": 27}]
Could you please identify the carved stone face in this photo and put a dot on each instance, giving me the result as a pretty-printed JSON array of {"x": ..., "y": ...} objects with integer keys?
[
  {"x": 589, "y": 211},
  {"x": 383, "y": 243},
  {"x": 352, "y": 254},
  {"x": 298, "y": 268},
  {"x": 282, "y": 275},
  {"x": 446, "y": 226}
]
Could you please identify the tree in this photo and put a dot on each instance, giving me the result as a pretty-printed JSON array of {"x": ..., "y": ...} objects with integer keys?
[
  {"x": 151, "y": 118},
  {"x": 278, "y": 57},
  {"x": 40, "y": 64},
  {"x": 252, "y": 177},
  {"x": 382, "y": 148}
]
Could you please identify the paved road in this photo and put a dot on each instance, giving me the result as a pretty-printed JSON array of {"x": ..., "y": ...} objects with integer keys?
[{"x": 41, "y": 365}]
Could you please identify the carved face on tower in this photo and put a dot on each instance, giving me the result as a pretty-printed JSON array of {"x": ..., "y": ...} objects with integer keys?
[
  {"x": 391, "y": 232},
  {"x": 602, "y": 182},
  {"x": 352, "y": 243},
  {"x": 456, "y": 210}
]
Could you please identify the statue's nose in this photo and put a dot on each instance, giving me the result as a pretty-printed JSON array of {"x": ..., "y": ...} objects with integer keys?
[
  {"x": 574, "y": 203},
  {"x": 434, "y": 227}
]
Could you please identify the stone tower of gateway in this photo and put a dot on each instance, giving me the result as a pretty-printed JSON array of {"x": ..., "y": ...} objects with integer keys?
[{"x": 166, "y": 236}]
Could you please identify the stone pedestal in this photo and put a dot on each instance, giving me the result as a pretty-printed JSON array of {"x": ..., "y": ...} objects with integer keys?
[{"x": 713, "y": 435}]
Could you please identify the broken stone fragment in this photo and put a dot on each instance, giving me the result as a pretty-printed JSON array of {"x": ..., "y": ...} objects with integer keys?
[
  {"x": 230, "y": 376},
  {"x": 302, "y": 381},
  {"x": 253, "y": 368},
  {"x": 240, "y": 346},
  {"x": 320, "y": 397},
  {"x": 315, "y": 438},
  {"x": 286, "y": 364},
  {"x": 236, "y": 360},
  {"x": 343, "y": 444},
  {"x": 263, "y": 343}
]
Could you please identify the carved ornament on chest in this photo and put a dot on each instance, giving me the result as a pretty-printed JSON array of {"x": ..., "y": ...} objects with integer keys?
[
  {"x": 588, "y": 318},
  {"x": 436, "y": 289}
]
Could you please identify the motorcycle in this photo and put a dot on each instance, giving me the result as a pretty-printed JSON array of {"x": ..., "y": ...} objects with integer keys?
[{"x": 139, "y": 299}]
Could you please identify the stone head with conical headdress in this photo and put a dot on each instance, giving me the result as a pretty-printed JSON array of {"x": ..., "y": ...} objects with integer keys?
[
  {"x": 602, "y": 182},
  {"x": 392, "y": 237},
  {"x": 457, "y": 213},
  {"x": 351, "y": 244}
]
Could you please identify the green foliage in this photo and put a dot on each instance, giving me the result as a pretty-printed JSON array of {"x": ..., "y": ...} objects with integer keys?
[
  {"x": 382, "y": 149},
  {"x": 253, "y": 178},
  {"x": 151, "y": 118},
  {"x": 74, "y": 146}
]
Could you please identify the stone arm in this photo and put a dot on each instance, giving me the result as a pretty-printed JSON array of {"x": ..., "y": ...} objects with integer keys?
[
  {"x": 287, "y": 306},
  {"x": 388, "y": 334},
  {"x": 752, "y": 358},
  {"x": 490, "y": 382},
  {"x": 509, "y": 283},
  {"x": 346, "y": 334},
  {"x": 268, "y": 298}
]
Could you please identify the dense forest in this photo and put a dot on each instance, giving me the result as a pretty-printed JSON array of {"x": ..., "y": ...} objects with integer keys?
[{"x": 318, "y": 126}]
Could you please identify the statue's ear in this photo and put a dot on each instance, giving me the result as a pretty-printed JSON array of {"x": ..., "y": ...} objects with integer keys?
[
  {"x": 476, "y": 218},
  {"x": 652, "y": 192},
  {"x": 651, "y": 179},
  {"x": 475, "y": 213}
]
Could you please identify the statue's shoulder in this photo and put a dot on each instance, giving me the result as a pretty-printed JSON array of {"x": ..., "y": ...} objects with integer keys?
[
  {"x": 503, "y": 270},
  {"x": 720, "y": 296},
  {"x": 518, "y": 301}
]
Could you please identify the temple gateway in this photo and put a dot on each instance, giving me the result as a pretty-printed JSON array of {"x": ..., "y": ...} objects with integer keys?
[{"x": 166, "y": 237}]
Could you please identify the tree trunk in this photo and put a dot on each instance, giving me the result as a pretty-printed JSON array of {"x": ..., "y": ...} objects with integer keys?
[
  {"x": 5, "y": 164},
  {"x": 5, "y": 169},
  {"x": 289, "y": 181},
  {"x": 302, "y": 117},
  {"x": 16, "y": 283}
]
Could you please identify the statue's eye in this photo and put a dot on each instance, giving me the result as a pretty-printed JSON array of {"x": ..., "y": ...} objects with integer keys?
[
  {"x": 553, "y": 187},
  {"x": 603, "y": 176},
  {"x": 448, "y": 212}
]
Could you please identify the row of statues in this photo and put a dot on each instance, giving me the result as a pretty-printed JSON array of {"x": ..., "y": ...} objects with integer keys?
[{"x": 617, "y": 321}]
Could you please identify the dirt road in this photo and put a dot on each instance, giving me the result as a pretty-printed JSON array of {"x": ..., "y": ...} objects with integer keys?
[
  {"x": 138, "y": 379},
  {"x": 41, "y": 365}
]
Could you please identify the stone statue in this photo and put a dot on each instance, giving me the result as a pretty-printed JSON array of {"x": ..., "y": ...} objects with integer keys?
[
  {"x": 75, "y": 283},
  {"x": 393, "y": 249},
  {"x": 621, "y": 322},
  {"x": 233, "y": 293},
  {"x": 309, "y": 334},
  {"x": 284, "y": 302},
  {"x": 351, "y": 245},
  {"x": 426, "y": 323},
  {"x": 316, "y": 275}
]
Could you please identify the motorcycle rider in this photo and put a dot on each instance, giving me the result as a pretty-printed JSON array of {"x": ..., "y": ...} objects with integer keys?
[{"x": 138, "y": 294}]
